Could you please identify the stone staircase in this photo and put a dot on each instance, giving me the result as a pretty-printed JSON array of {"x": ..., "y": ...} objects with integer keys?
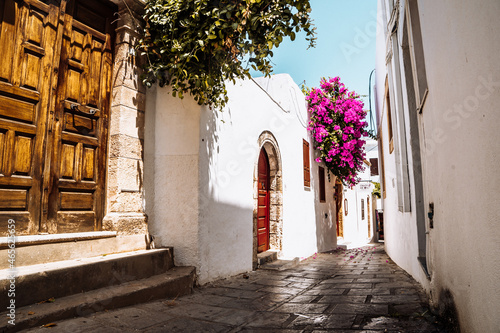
[{"x": 64, "y": 289}]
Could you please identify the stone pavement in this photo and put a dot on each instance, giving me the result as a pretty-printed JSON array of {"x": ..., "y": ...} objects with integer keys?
[{"x": 358, "y": 290}]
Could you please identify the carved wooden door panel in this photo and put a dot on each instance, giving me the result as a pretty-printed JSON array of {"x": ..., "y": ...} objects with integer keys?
[
  {"x": 28, "y": 34},
  {"x": 79, "y": 137},
  {"x": 55, "y": 82}
]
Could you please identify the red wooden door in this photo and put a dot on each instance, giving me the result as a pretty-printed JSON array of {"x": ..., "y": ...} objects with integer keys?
[{"x": 263, "y": 204}]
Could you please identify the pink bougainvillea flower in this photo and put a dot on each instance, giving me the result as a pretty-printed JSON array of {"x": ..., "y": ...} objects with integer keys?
[{"x": 337, "y": 125}]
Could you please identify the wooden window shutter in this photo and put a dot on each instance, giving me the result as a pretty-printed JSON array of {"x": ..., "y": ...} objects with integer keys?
[
  {"x": 374, "y": 166},
  {"x": 307, "y": 167}
]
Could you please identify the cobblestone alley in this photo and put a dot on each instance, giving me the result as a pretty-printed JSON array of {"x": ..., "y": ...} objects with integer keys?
[{"x": 358, "y": 290}]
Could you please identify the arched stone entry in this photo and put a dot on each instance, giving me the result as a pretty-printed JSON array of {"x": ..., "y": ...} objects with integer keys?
[{"x": 268, "y": 143}]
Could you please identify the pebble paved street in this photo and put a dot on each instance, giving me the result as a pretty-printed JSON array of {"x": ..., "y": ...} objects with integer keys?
[{"x": 357, "y": 290}]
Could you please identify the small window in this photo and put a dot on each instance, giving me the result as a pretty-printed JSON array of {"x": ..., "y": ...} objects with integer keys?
[
  {"x": 307, "y": 168},
  {"x": 389, "y": 116},
  {"x": 374, "y": 166},
  {"x": 322, "y": 192}
]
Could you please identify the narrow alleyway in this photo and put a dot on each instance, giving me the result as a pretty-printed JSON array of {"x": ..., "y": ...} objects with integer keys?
[{"x": 343, "y": 291}]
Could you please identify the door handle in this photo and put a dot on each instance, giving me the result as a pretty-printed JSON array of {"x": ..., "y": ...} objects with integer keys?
[{"x": 91, "y": 111}]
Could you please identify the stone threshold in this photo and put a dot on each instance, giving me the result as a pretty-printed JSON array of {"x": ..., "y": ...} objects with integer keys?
[
  {"x": 266, "y": 257},
  {"x": 30, "y": 240}
]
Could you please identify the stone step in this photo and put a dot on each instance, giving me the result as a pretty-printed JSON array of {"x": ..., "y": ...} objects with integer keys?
[
  {"x": 266, "y": 257},
  {"x": 177, "y": 281},
  {"x": 281, "y": 264},
  {"x": 42, "y": 249},
  {"x": 37, "y": 283}
]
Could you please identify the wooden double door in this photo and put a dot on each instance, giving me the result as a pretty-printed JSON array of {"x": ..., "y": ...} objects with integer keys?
[{"x": 55, "y": 82}]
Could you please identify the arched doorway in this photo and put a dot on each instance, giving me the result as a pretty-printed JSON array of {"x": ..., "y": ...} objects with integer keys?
[
  {"x": 263, "y": 203},
  {"x": 268, "y": 150}
]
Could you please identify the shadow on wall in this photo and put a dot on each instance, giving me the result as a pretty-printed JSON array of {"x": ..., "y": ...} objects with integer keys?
[
  {"x": 226, "y": 249},
  {"x": 225, "y": 229},
  {"x": 209, "y": 148}
]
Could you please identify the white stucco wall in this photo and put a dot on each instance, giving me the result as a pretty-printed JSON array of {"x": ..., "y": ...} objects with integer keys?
[
  {"x": 459, "y": 144},
  {"x": 204, "y": 200},
  {"x": 400, "y": 228},
  {"x": 171, "y": 173},
  {"x": 461, "y": 118}
]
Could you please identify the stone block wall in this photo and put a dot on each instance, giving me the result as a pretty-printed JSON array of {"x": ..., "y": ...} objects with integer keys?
[{"x": 125, "y": 194}]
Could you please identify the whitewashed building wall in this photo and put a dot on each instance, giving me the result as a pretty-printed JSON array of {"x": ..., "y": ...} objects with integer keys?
[
  {"x": 453, "y": 129},
  {"x": 202, "y": 169}
]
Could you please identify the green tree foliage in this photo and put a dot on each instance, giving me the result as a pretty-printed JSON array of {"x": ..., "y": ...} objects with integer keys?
[{"x": 195, "y": 45}]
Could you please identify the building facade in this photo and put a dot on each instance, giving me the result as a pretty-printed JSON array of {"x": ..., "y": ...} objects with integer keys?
[
  {"x": 93, "y": 164},
  {"x": 226, "y": 185},
  {"x": 438, "y": 93}
]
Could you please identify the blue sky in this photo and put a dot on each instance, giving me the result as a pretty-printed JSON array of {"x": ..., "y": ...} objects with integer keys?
[{"x": 345, "y": 46}]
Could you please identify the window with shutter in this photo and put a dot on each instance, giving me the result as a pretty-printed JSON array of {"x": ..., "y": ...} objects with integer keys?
[
  {"x": 322, "y": 192},
  {"x": 374, "y": 166},
  {"x": 307, "y": 169}
]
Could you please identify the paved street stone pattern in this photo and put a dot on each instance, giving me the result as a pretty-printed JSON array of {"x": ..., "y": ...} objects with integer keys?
[{"x": 358, "y": 290}]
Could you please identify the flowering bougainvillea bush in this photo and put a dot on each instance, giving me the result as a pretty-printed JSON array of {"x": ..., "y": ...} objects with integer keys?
[{"x": 337, "y": 125}]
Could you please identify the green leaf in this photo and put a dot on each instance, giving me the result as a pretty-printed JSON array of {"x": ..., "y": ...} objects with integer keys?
[{"x": 178, "y": 31}]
